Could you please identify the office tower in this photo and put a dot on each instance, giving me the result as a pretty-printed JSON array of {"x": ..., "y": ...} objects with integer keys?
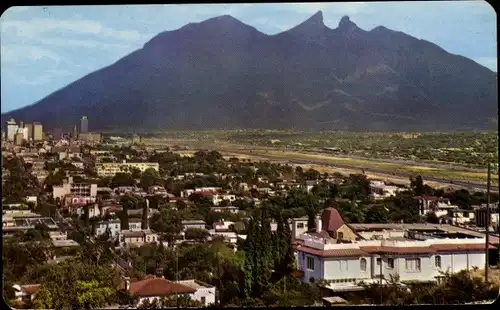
[
  {"x": 29, "y": 127},
  {"x": 23, "y": 131},
  {"x": 37, "y": 131},
  {"x": 75, "y": 133},
  {"x": 11, "y": 129},
  {"x": 21, "y": 124},
  {"x": 18, "y": 138},
  {"x": 84, "y": 125}
]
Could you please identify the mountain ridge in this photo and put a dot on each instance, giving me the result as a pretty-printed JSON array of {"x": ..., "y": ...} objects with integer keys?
[{"x": 210, "y": 74}]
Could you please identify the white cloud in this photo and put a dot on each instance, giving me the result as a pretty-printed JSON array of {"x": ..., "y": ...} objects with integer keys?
[
  {"x": 14, "y": 54},
  {"x": 37, "y": 28}
]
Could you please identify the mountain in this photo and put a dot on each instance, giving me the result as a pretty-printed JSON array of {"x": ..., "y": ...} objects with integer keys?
[{"x": 222, "y": 73}]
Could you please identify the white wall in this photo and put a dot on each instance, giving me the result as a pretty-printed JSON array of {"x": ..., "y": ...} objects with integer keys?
[{"x": 207, "y": 292}]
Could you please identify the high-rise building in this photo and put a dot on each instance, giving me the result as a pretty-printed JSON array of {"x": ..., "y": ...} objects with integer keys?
[
  {"x": 23, "y": 131},
  {"x": 29, "y": 127},
  {"x": 75, "y": 133},
  {"x": 37, "y": 131},
  {"x": 18, "y": 138},
  {"x": 84, "y": 125},
  {"x": 21, "y": 124},
  {"x": 11, "y": 129}
]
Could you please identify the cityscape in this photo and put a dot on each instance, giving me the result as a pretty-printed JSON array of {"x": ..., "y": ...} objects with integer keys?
[{"x": 97, "y": 214}]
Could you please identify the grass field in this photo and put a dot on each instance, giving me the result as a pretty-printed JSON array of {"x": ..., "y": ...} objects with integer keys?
[{"x": 479, "y": 177}]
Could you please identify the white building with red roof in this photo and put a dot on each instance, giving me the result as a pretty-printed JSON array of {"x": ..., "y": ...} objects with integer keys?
[{"x": 344, "y": 265}]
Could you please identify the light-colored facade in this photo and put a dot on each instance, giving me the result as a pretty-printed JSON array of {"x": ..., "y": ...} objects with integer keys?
[
  {"x": 114, "y": 228},
  {"x": 205, "y": 293},
  {"x": 378, "y": 190},
  {"x": 37, "y": 132},
  {"x": 343, "y": 265},
  {"x": 76, "y": 189},
  {"x": 138, "y": 238},
  {"x": 11, "y": 129},
  {"x": 111, "y": 169}
]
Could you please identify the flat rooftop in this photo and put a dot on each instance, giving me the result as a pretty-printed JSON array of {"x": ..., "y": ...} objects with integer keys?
[{"x": 194, "y": 284}]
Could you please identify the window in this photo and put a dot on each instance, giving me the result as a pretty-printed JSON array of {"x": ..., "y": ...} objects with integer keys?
[
  {"x": 437, "y": 261},
  {"x": 300, "y": 225},
  {"x": 379, "y": 261},
  {"x": 310, "y": 263},
  {"x": 340, "y": 235},
  {"x": 390, "y": 263},
  {"x": 362, "y": 264},
  {"x": 203, "y": 300},
  {"x": 413, "y": 264}
]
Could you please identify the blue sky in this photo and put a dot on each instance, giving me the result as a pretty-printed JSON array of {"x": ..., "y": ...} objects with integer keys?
[{"x": 45, "y": 48}]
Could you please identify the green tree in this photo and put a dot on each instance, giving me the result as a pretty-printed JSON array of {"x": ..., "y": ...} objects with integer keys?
[
  {"x": 149, "y": 178},
  {"x": 122, "y": 179}
]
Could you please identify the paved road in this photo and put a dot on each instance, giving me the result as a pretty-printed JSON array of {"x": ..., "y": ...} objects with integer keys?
[{"x": 469, "y": 185}]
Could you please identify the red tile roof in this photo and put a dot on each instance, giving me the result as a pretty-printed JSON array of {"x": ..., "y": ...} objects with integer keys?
[
  {"x": 332, "y": 253},
  {"x": 31, "y": 289},
  {"x": 321, "y": 234},
  {"x": 332, "y": 220},
  {"x": 398, "y": 250},
  {"x": 158, "y": 287},
  {"x": 460, "y": 247}
]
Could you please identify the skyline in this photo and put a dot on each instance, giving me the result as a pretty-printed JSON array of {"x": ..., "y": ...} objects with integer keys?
[{"x": 46, "y": 48}]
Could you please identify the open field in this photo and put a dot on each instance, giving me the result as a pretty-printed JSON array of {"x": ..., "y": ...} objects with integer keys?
[
  {"x": 461, "y": 149},
  {"x": 398, "y": 170},
  {"x": 473, "y": 177}
]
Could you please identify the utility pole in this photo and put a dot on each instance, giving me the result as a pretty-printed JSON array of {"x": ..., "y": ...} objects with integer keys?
[{"x": 488, "y": 218}]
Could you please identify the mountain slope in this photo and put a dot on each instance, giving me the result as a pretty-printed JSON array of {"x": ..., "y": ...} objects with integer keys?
[{"x": 221, "y": 73}]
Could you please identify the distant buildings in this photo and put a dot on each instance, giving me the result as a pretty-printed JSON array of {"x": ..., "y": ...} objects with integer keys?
[
  {"x": 111, "y": 169},
  {"x": 37, "y": 131},
  {"x": 11, "y": 129},
  {"x": 84, "y": 125}
]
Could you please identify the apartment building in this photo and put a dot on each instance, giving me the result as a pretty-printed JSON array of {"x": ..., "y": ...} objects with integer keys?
[
  {"x": 74, "y": 189},
  {"x": 111, "y": 169}
]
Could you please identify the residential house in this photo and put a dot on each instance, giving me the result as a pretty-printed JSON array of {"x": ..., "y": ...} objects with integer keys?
[
  {"x": 153, "y": 288},
  {"x": 230, "y": 209},
  {"x": 25, "y": 293},
  {"x": 112, "y": 226},
  {"x": 138, "y": 238},
  {"x": 193, "y": 224},
  {"x": 378, "y": 190},
  {"x": 432, "y": 203},
  {"x": 217, "y": 199},
  {"x": 205, "y": 293}
]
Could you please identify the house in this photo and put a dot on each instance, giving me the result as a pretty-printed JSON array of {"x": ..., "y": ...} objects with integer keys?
[
  {"x": 205, "y": 293},
  {"x": 230, "y": 209},
  {"x": 217, "y": 199},
  {"x": 135, "y": 224},
  {"x": 222, "y": 225},
  {"x": 138, "y": 238},
  {"x": 228, "y": 236},
  {"x": 25, "y": 293},
  {"x": 113, "y": 226},
  {"x": 432, "y": 204},
  {"x": 77, "y": 200},
  {"x": 94, "y": 210},
  {"x": 298, "y": 226},
  {"x": 153, "y": 288},
  {"x": 378, "y": 190},
  {"x": 342, "y": 266},
  {"x": 193, "y": 224},
  {"x": 200, "y": 190},
  {"x": 461, "y": 216}
]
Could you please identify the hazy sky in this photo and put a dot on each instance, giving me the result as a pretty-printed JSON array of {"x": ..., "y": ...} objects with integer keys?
[{"x": 46, "y": 48}]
